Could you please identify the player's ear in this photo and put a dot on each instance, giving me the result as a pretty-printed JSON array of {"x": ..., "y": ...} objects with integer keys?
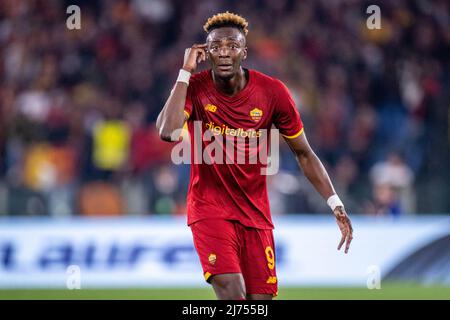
[{"x": 245, "y": 54}]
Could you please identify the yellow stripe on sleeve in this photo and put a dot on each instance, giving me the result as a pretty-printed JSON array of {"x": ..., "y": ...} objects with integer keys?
[
  {"x": 187, "y": 113},
  {"x": 295, "y": 135}
]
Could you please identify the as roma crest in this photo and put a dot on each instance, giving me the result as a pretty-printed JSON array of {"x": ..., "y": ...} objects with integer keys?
[
  {"x": 212, "y": 258},
  {"x": 256, "y": 114}
]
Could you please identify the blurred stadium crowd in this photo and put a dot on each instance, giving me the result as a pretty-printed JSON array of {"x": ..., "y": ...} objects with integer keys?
[{"x": 77, "y": 107}]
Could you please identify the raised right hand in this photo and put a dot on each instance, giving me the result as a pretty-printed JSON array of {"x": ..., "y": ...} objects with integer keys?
[{"x": 193, "y": 56}]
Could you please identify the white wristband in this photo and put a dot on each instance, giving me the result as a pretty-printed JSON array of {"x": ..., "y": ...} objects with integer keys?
[
  {"x": 184, "y": 76},
  {"x": 334, "y": 202}
]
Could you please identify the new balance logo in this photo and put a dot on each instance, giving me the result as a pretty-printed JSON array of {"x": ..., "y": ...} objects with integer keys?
[
  {"x": 272, "y": 280},
  {"x": 210, "y": 107}
]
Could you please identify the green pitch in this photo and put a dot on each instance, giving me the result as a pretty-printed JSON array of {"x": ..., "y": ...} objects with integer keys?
[{"x": 386, "y": 292}]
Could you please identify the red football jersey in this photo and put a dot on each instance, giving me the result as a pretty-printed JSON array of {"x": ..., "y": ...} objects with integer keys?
[{"x": 235, "y": 191}]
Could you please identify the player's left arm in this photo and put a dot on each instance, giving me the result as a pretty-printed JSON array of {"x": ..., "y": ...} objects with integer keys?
[{"x": 316, "y": 173}]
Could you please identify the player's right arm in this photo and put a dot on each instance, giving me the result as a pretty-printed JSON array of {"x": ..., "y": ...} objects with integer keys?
[{"x": 172, "y": 116}]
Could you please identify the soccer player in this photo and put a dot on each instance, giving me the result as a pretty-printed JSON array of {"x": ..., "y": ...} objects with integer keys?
[{"x": 227, "y": 204}]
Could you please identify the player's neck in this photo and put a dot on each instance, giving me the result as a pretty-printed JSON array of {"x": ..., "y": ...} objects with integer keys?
[{"x": 233, "y": 85}]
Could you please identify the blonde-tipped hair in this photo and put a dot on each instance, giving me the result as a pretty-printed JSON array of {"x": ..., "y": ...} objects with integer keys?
[{"x": 226, "y": 19}]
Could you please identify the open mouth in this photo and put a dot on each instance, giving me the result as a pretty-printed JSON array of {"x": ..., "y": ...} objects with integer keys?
[{"x": 225, "y": 67}]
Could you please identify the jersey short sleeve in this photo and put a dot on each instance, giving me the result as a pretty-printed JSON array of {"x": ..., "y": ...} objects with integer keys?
[{"x": 286, "y": 116}]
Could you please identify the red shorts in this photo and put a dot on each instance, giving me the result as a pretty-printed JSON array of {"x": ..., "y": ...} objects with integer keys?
[{"x": 226, "y": 246}]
